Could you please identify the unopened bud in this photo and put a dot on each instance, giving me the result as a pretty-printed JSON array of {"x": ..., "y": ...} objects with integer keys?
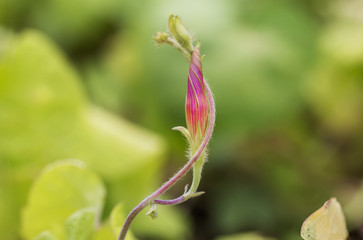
[
  {"x": 179, "y": 32},
  {"x": 196, "y": 104},
  {"x": 162, "y": 37}
]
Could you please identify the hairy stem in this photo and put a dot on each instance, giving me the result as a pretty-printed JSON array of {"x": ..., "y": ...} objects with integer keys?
[
  {"x": 197, "y": 174},
  {"x": 152, "y": 198}
]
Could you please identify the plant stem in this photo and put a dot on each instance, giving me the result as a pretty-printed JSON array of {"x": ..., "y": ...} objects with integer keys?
[
  {"x": 152, "y": 198},
  {"x": 197, "y": 174},
  {"x": 174, "y": 201}
]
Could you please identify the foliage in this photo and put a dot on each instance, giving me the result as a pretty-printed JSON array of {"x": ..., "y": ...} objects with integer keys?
[
  {"x": 65, "y": 202},
  {"x": 287, "y": 81},
  {"x": 45, "y": 116}
]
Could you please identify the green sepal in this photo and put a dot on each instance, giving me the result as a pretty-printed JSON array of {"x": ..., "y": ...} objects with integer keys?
[{"x": 185, "y": 132}]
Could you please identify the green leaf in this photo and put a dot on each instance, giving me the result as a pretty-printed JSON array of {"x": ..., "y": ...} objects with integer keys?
[
  {"x": 79, "y": 226},
  {"x": 46, "y": 235},
  {"x": 63, "y": 188},
  {"x": 103, "y": 233},
  {"x": 117, "y": 218},
  {"x": 45, "y": 116},
  {"x": 112, "y": 228}
]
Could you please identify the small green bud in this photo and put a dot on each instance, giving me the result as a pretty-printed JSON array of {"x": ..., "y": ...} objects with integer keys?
[
  {"x": 162, "y": 37},
  {"x": 179, "y": 32}
]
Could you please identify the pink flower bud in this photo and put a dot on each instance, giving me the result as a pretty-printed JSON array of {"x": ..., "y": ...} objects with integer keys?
[{"x": 196, "y": 104}]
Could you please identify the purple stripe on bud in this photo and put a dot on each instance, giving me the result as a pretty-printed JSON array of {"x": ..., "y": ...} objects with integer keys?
[{"x": 196, "y": 104}]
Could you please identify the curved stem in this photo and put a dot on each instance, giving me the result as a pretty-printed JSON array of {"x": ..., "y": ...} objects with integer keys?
[
  {"x": 174, "y": 201},
  {"x": 178, "y": 200},
  {"x": 178, "y": 175}
]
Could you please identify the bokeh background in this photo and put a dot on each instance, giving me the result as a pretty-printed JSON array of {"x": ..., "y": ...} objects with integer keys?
[{"x": 83, "y": 79}]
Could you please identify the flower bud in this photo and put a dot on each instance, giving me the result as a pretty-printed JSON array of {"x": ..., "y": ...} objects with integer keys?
[
  {"x": 179, "y": 32},
  {"x": 162, "y": 37},
  {"x": 196, "y": 104}
]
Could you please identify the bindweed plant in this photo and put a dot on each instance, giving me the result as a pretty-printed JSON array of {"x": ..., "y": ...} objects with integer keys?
[{"x": 200, "y": 118}]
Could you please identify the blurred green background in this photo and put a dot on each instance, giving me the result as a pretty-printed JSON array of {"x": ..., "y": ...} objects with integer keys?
[{"x": 83, "y": 79}]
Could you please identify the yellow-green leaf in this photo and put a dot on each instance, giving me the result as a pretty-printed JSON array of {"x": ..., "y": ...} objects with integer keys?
[
  {"x": 80, "y": 225},
  {"x": 327, "y": 222},
  {"x": 63, "y": 188},
  {"x": 46, "y": 235}
]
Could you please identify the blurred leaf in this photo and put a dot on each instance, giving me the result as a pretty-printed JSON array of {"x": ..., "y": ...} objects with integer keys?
[
  {"x": 103, "y": 233},
  {"x": 327, "y": 222},
  {"x": 335, "y": 94},
  {"x": 63, "y": 188},
  {"x": 44, "y": 116},
  {"x": 117, "y": 219},
  {"x": 334, "y": 87},
  {"x": 343, "y": 42},
  {"x": 79, "y": 226},
  {"x": 46, "y": 235},
  {"x": 111, "y": 229}
]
